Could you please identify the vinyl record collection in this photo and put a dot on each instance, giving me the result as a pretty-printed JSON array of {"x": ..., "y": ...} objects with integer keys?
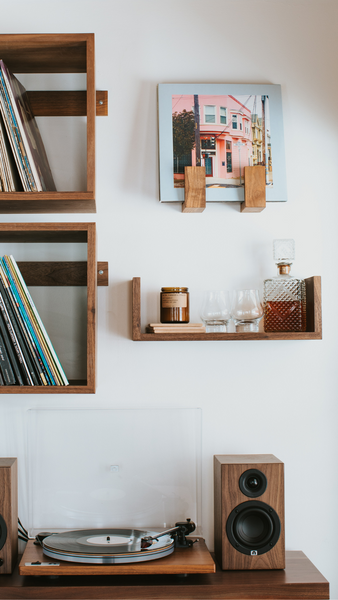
[
  {"x": 23, "y": 160},
  {"x": 27, "y": 356}
]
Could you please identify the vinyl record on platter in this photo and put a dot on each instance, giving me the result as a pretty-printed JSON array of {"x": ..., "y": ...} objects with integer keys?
[{"x": 100, "y": 546}]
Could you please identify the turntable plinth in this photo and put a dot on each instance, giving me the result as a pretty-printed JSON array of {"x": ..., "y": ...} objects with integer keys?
[
  {"x": 196, "y": 559},
  {"x": 300, "y": 580}
]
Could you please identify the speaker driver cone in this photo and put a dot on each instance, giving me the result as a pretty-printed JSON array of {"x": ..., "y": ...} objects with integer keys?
[{"x": 253, "y": 527}]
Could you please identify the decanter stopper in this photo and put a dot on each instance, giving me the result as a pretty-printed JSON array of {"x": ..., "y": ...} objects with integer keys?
[
  {"x": 284, "y": 254},
  {"x": 284, "y": 251}
]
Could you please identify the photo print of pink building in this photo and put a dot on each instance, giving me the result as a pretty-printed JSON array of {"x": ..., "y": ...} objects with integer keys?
[{"x": 223, "y": 133}]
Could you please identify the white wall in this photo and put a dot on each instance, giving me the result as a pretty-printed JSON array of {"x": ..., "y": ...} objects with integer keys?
[{"x": 257, "y": 397}]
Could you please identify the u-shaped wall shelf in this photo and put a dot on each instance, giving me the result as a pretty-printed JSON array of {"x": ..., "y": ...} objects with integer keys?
[{"x": 313, "y": 311}]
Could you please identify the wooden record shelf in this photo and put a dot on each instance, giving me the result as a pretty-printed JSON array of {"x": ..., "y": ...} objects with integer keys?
[
  {"x": 84, "y": 273},
  {"x": 314, "y": 322},
  {"x": 300, "y": 580},
  {"x": 56, "y": 53}
]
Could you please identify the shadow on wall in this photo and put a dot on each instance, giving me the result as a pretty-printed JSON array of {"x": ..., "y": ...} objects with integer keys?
[
  {"x": 120, "y": 307},
  {"x": 140, "y": 173}
]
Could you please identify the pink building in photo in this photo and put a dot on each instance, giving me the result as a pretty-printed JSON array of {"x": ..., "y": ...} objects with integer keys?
[{"x": 226, "y": 138}]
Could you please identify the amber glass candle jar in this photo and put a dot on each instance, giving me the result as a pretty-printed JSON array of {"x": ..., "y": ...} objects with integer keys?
[{"x": 174, "y": 305}]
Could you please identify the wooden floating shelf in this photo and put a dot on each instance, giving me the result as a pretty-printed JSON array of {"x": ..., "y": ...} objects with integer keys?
[
  {"x": 314, "y": 322},
  {"x": 78, "y": 273},
  {"x": 57, "y": 53}
]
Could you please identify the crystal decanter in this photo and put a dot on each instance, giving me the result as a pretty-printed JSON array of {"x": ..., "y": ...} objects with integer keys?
[{"x": 284, "y": 295}]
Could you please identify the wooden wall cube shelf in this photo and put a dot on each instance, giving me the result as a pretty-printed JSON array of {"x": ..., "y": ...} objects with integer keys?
[
  {"x": 89, "y": 274},
  {"x": 313, "y": 332},
  {"x": 56, "y": 53}
]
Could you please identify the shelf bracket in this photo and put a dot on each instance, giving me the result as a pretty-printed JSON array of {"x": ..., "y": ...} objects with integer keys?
[
  {"x": 254, "y": 189},
  {"x": 194, "y": 190},
  {"x": 60, "y": 274},
  {"x": 66, "y": 103}
]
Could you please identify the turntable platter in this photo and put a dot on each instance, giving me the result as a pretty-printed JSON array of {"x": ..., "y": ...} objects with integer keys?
[{"x": 106, "y": 546}]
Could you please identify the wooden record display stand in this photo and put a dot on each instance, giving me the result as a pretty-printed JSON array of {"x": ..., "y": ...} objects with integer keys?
[
  {"x": 300, "y": 580},
  {"x": 56, "y": 53},
  {"x": 87, "y": 273},
  {"x": 195, "y": 190}
]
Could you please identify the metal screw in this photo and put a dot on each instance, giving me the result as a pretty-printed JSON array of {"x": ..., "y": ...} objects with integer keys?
[
  {"x": 100, "y": 272},
  {"x": 101, "y": 102}
]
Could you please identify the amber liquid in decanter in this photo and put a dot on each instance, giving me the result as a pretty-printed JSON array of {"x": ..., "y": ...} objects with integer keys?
[{"x": 285, "y": 316}]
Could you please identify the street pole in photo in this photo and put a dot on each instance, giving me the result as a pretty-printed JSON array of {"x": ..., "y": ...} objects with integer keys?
[
  {"x": 197, "y": 131},
  {"x": 264, "y": 137},
  {"x": 239, "y": 144}
]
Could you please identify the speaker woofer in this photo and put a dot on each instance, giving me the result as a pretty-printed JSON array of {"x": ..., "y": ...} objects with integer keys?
[
  {"x": 253, "y": 483},
  {"x": 253, "y": 527}
]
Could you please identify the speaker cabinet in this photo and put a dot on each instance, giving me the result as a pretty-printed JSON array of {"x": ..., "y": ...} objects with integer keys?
[
  {"x": 8, "y": 514},
  {"x": 249, "y": 512}
]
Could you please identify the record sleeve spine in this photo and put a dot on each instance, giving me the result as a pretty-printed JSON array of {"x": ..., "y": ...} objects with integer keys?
[
  {"x": 39, "y": 377},
  {"x": 15, "y": 342},
  {"x": 23, "y": 337},
  {"x": 14, "y": 137},
  {"x": 20, "y": 330},
  {"x": 13, "y": 357},
  {"x": 27, "y": 300},
  {"x": 5, "y": 365}
]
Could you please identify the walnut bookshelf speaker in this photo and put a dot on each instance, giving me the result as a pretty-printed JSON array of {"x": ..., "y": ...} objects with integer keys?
[
  {"x": 249, "y": 512},
  {"x": 8, "y": 514}
]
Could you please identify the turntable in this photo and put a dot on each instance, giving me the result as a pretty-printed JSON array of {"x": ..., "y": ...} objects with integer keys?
[
  {"x": 116, "y": 552},
  {"x": 121, "y": 503}
]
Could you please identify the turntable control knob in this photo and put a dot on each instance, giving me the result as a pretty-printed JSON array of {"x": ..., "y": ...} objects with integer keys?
[{"x": 108, "y": 538}]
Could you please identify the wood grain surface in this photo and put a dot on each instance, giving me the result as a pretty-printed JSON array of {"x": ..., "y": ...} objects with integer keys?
[
  {"x": 56, "y": 53},
  {"x": 65, "y": 103},
  {"x": 62, "y": 233},
  {"x": 299, "y": 581},
  {"x": 62, "y": 273},
  {"x": 9, "y": 513},
  {"x": 194, "y": 190},
  {"x": 45, "y": 53},
  {"x": 254, "y": 189},
  {"x": 196, "y": 559},
  {"x": 227, "y": 496},
  {"x": 47, "y": 202}
]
